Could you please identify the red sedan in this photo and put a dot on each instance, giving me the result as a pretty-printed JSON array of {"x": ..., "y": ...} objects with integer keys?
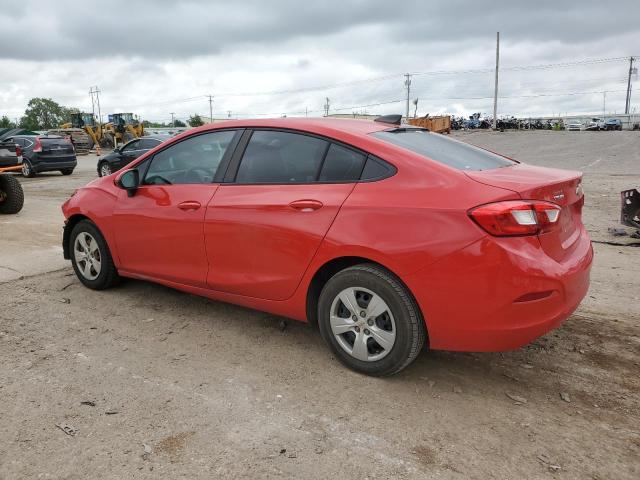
[{"x": 388, "y": 237}]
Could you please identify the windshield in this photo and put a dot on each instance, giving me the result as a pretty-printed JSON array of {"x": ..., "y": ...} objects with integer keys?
[{"x": 442, "y": 149}]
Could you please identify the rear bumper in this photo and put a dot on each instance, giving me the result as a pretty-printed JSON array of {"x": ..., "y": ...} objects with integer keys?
[
  {"x": 49, "y": 165},
  {"x": 500, "y": 294}
]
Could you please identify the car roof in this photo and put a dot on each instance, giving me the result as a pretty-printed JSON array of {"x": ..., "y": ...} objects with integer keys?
[{"x": 327, "y": 126}]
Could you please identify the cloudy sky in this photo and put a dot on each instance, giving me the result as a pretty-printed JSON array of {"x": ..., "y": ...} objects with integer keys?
[{"x": 268, "y": 58}]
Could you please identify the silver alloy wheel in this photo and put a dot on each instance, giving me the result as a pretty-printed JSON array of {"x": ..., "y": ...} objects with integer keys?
[
  {"x": 105, "y": 169},
  {"x": 26, "y": 168},
  {"x": 87, "y": 255},
  {"x": 362, "y": 323}
]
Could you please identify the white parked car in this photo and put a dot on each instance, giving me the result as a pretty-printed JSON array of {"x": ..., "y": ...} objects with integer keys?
[
  {"x": 596, "y": 124},
  {"x": 575, "y": 126}
]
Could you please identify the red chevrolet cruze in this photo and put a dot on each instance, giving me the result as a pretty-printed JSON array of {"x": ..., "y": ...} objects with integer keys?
[{"x": 387, "y": 236}]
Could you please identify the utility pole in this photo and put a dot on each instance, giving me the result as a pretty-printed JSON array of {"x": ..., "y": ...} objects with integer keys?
[
  {"x": 210, "y": 108},
  {"x": 604, "y": 104},
  {"x": 96, "y": 91},
  {"x": 173, "y": 121},
  {"x": 627, "y": 104},
  {"x": 495, "y": 91},
  {"x": 326, "y": 107},
  {"x": 407, "y": 83}
]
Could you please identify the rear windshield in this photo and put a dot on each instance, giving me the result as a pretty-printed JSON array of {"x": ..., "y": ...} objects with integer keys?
[{"x": 444, "y": 150}]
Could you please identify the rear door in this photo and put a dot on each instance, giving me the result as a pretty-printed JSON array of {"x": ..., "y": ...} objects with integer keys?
[
  {"x": 264, "y": 227},
  {"x": 159, "y": 230}
]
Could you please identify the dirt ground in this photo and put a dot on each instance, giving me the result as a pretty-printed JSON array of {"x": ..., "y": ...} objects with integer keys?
[{"x": 152, "y": 383}]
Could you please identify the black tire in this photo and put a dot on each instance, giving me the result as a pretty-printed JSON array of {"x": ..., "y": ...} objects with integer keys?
[
  {"x": 11, "y": 195},
  {"x": 108, "y": 275},
  {"x": 67, "y": 171},
  {"x": 410, "y": 331},
  {"x": 104, "y": 169},
  {"x": 27, "y": 169}
]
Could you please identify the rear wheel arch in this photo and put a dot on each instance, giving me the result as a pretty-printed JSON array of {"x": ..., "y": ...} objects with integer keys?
[{"x": 335, "y": 265}]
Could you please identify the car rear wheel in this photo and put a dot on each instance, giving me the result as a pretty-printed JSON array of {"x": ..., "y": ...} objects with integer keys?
[
  {"x": 370, "y": 321},
  {"x": 27, "y": 169},
  {"x": 67, "y": 171},
  {"x": 104, "y": 170},
  {"x": 91, "y": 258}
]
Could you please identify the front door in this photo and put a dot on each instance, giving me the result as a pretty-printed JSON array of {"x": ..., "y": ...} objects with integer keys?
[{"x": 159, "y": 230}]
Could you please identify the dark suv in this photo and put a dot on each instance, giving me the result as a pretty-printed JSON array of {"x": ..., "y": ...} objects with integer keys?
[
  {"x": 46, "y": 153},
  {"x": 114, "y": 161}
]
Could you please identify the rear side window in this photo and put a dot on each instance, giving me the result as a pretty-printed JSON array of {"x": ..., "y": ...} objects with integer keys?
[
  {"x": 341, "y": 165},
  {"x": 193, "y": 160},
  {"x": 281, "y": 157},
  {"x": 447, "y": 151}
]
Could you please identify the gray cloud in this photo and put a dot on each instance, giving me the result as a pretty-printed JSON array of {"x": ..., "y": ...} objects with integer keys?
[
  {"x": 170, "y": 29},
  {"x": 144, "y": 53}
]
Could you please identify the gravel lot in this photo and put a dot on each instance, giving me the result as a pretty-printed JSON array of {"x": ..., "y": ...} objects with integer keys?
[{"x": 153, "y": 383}]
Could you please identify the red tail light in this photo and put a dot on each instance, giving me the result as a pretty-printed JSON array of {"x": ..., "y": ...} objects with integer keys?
[
  {"x": 516, "y": 217},
  {"x": 18, "y": 150},
  {"x": 37, "y": 146}
]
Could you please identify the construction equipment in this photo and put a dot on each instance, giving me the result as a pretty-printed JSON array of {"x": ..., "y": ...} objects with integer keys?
[
  {"x": 439, "y": 124},
  {"x": 83, "y": 130},
  {"x": 123, "y": 127},
  {"x": 87, "y": 132}
]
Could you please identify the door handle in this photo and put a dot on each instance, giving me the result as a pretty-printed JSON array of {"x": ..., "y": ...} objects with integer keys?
[
  {"x": 306, "y": 205},
  {"x": 189, "y": 205}
]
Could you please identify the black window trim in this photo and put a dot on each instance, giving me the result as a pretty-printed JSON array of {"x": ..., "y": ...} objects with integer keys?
[
  {"x": 224, "y": 162},
  {"x": 234, "y": 164}
]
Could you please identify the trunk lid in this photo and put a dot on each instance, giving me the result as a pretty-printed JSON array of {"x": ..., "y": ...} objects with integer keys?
[
  {"x": 56, "y": 146},
  {"x": 562, "y": 187}
]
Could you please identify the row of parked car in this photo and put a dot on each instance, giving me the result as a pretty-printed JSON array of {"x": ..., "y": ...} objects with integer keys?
[
  {"x": 33, "y": 153},
  {"x": 596, "y": 124}
]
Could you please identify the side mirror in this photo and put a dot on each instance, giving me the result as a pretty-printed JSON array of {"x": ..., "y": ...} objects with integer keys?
[{"x": 129, "y": 180}]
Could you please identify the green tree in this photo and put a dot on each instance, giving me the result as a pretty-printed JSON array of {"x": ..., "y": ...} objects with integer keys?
[
  {"x": 5, "y": 122},
  {"x": 179, "y": 123},
  {"x": 195, "y": 120},
  {"x": 43, "y": 113}
]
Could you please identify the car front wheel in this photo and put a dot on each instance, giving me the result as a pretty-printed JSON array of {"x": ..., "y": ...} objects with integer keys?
[
  {"x": 104, "y": 170},
  {"x": 91, "y": 258},
  {"x": 370, "y": 321}
]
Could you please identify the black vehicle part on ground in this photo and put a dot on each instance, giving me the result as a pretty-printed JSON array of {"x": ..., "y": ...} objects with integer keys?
[
  {"x": 630, "y": 208},
  {"x": 11, "y": 194}
]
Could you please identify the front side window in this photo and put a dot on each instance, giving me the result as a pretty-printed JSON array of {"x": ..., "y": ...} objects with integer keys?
[
  {"x": 148, "y": 143},
  {"x": 193, "y": 160},
  {"x": 441, "y": 149},
  {"x": 131, "y": 146},
  {"x": 281, "y": 157}
]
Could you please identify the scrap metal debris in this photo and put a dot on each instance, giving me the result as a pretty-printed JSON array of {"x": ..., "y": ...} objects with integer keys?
[
  {"x": 516, "y": 398},
  {"x": 68, "y": 429}
]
